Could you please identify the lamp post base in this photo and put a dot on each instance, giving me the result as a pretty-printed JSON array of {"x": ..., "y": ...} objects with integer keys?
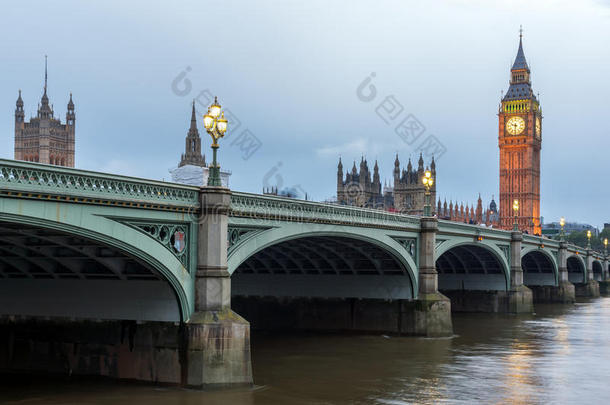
[{"x": 214, "y": 176}]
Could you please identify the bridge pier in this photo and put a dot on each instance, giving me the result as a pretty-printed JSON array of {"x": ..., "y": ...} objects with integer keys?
[
  {"x": 604, "y": 285},
  {"x": 516, "y": 298},
  {"x": 430, "y": 314},
  {"x": 589, "y": 289},
  {"x": 520, "y": 298},
  {"x": 564, "y": 292},
  {"x": 217, "y": 340}
]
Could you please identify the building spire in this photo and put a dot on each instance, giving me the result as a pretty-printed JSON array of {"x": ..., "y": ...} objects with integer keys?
[
  {"x": 520, "y": 62},
  {"x": 45, "y": 74},
  {"x": 193, "y": 118}
]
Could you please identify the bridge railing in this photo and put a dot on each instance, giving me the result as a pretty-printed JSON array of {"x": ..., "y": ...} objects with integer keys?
[
  {"x": 275, "y": 208},
  {"x": 540, "y": 241},
  {"x": 35, "y": 180},
  {"x": 461, "y": 229}
]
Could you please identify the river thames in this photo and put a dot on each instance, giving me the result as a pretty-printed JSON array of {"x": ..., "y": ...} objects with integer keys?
[{"x": 559, "y": 355}]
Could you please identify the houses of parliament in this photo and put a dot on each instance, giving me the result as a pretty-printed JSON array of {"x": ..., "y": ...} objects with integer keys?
[
  {"x": 44, "y": 138},
  {"x": 519, "y": 143}
]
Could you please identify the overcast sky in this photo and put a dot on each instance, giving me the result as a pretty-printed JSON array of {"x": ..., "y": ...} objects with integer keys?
[{"x": 289, "y": 72}]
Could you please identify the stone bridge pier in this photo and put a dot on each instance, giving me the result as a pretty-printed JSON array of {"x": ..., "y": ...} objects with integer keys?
[
  {"x": 561, "y": 292},
  {"x": 589, "y": 287},
  {"x": 604, "y": 283},
  {"x": 520, "y": 297},
  {"x": 217, "y": 339},
  {"x": 431, "y": 313},
  {"x": 484, "y": 275}
]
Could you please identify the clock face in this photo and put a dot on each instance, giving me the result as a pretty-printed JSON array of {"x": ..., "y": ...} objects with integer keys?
[
  {"x": 515, "y": 125},
  {"x": 538, "y": 127}
]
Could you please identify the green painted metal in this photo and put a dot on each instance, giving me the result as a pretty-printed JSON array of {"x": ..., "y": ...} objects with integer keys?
[
  {"x": 295, "y": 230},
  {"x": 164, "y": 233},
  {"x": 137, "y": 215},
  {"x": 134, "y": 215},
  {"x": 36, "y": 180},
  {"x": 273, "y": 209}
]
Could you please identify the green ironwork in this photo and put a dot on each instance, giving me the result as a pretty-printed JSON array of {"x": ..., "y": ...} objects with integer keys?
[
  {"x": 410, "y": 245},
  {"x": 239, "y": 234},
  {"x": 40, "y": 181},
  {"x": 277, "y": 209},
  {"x": 168, "y": 235}
]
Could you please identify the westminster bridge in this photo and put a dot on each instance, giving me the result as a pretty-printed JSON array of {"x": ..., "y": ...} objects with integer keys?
[{"x": 131, "y": 278}]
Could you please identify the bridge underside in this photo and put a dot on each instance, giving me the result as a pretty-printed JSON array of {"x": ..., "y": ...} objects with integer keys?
[
  {"x": 45, "y": 272},
  {"x": 324, "y": 267},
  {"x": 597, "y": 271},
  {"x": 538, "y": 269},
  {"x": 475, "y": 279},
  {"x": 323, "y": 283},
  {"x": 576, "y": 270},
  {"x": 470, "y": 267}
]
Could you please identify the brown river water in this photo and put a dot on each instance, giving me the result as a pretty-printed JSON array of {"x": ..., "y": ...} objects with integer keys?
[{"x": 560, "y": 355}]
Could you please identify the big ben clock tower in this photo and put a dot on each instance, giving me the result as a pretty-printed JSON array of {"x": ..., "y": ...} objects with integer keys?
[{"x": 520, "y": 140}]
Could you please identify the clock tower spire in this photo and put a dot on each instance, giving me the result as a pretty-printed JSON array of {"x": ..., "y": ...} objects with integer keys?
[{"x": 520, "y": 141}]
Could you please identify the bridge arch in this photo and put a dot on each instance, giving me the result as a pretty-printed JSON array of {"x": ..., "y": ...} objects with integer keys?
[
  {"x": 311, "y": 260},
  {"x": 597, "y": 268},
  {"x": 539, "y": 267},
  {"x": 577, "y": 272},
  {"x": 467, "y": 265},
  {"x": 154, "y": 285}
]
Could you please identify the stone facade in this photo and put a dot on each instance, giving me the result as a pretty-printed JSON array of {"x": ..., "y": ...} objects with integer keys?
[
  {"x": 44, "y": 138},
  {"x": 460, "y": 213},
  {"x": 192, "y": 168},
  {"x": 192, "y": 149},
  {"x": 407, "y": 195},
  {"x": 520, "y": 141}
]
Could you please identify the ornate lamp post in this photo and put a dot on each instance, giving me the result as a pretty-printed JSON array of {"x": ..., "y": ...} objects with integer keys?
[
  {"x": 216, "y": 125},
  {"x": 428, "y": 181},
  {"x": 562, "y": 234},
  {"x": 588, "y": 239},
  {"x": 605, "y": 246},
  {"x": 516, "y": 210}
]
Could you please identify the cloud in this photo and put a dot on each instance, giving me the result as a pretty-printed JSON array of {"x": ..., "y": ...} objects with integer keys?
[{"x": 356, "y": 148}]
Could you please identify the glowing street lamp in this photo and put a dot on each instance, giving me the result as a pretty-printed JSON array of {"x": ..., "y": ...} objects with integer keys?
[
  {"x": 428, "y": 181},
  {"x": 516, "y": 210},
  {"x": 589, "y": 239},
  {"x": 216, "y": 125},
  {"x": 562, "y": 234},
  {"x": 605, "y": 246}
]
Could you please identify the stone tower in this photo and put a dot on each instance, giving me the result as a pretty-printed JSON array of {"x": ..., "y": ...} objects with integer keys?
[
  {"x": 409, "y": 191},
  {"x": 520, "y": 140},
  {"x": 407, "y": 196},
  {"x": 192, "y": 151},
  {"x": 45, "y": 139}
]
